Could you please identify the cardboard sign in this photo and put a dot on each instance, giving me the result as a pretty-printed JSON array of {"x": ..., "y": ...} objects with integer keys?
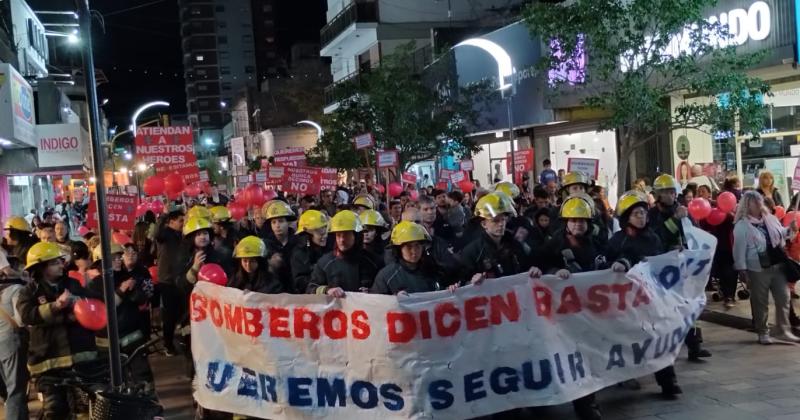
[
  {"x": 204, "y": 175},
  {"x": 261, "y": 177},
  {"x": 388, "y": 159},
  {"x": 328, "y": 179},
  {"x": 243, "y": 180},
  {"x": 364, "y": 141},
  {"x": 290, "y": 156},
  {"x": 301, "y": 180},
  {"x": 168, "y": 149},
  {"x": 444, "y": 175},
  {"x": 120, "y": 208},
  {"x": 283, "y": 356},
  {"x": 466, "y": 165},
  {"x": 586, "y": 166},
  {"x": 457, "y": 176},
  {"x": 409, "y": 178},
  {"x": 275, "y": 175},
  {"x": 523, "y": 159}
]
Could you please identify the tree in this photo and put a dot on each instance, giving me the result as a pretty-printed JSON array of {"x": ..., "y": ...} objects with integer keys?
[
  {"x": 402, "y": 111},
  {"x": 639, "y": 53}
]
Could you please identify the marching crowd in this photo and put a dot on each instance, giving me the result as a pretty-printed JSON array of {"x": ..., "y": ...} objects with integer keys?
[{"x": 354, "y": 240}]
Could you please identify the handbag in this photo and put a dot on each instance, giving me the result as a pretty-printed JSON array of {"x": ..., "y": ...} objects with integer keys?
[{"x": 791, "y": 268}]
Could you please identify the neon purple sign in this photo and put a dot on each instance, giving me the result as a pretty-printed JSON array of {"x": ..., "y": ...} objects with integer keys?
[{"x": 571, "y": 70}]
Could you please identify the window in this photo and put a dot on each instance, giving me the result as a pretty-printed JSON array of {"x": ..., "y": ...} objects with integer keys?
[
  {"x": 270, "y": 39},
  {"x": 201, "y": 72},
  {"x": 195, "y": 11},
  {"x": 267, "y": 8},
  {"x": 247, "y": 38},
  {"x": 249, "y": 69},
  {"x": 205, "y": 118},
  {"x": 222, "y": 25},
  {"x": 223, "y": 55},
  {"x": 204, "y": 102},
  {"x": 199, "y": 58},
  {"x": 225, "y": 70},
  {"x": 202, "y": 88},
  {"x": 222, "y": 39},
  {"x": 219, "y": 9},
  {"x": 226, "y": 86},
  {"x": 271, "y": 54}
]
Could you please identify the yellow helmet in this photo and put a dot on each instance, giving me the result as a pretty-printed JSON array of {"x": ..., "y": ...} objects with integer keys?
[
  {"x": 345, "y": 221},
  {"x": 194, "y": 224},
  {"x": 310, "y": 220},
  {"x": 220, "y": 214},
  {"x": 17, "y": 223},
  {"x": 628, "y": 200},
  {"x": 666, "y": 182},
  {"x": 576, "y": 208},
  {"x": 97, "y": 252},
  {"x": 511, "y": 189},
  {"x": 199, "y": 211},
  {"x": 372, "y": 218},
  {"x": 494, "y": 204},
  {"x": 42, "y": 252},
  {"x": 571, "y": 178},
  {"x": 406, "y": 232},
  {"x": 364, "y": 200},
  {"x": 277, "y": 208},
  {"x": 250, "y": 247}
]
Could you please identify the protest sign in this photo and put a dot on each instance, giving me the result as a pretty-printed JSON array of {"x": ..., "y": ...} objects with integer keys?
[
  {"x": 120, "y": 208},
  {"x": 261, "y": 177},
  {"x": 364, "y": 141},
  {"x": 301, "y": 180},
  {"x": 508, "y": 343},
  {"x": 409, "y": 178},
  {"x": 457, "y": 176},
  {"x": 388, "y": 158},
  {"x": 441, "y": 186},
  {"x": 466, "y": 165},
  {"x": 243, "y": 180},
  {"x": 523, "y": 160},
  {"x": 328, "y": 178},
  {"x": 444, "y": 175},
  {"x": 168, "y": 149},
  {"x": 290, "y": 156},
  {"x": 587, "y": 166},
  {"x": 275, "y": 175}
]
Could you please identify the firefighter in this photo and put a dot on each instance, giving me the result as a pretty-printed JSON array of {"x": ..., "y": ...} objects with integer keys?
[
  {"x": 252, "y": 272},
  {"x": 18, "y": 240},
  {"x": 312, "y": 243},
  {"x": 665, "y": 217},
  {"x": 373, "y": 227},
  {"x": 280, "y": 239},
  {"x": 57, "y": 341},
  {"x": 414, "y": 270},
  {"x": 363, "y": 202},
  {"x": 574, "y": 183},
  {"x": 509, "y": 188},
  {"x": 346, "y": 268},
  {"x": 224, "y": 229}
]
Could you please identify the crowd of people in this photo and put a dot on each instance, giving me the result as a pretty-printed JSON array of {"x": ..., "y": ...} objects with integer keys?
[{"x": 355, "y": 240}]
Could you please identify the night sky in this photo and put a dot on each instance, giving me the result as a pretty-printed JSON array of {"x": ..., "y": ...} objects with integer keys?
[{"x": 140, "y": 51}]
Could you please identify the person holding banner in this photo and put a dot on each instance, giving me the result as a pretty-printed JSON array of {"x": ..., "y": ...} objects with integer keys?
[
  {"x": 413, "y": 270},
  {"x": 251, "y": 272},
  {"x": 57, "y": 342},
  {"x": 312, "y": 240},
  {"x": 346, "y": 268},
  {"x": 665, "y": 217},
  {"x": 280, "y": 239}
]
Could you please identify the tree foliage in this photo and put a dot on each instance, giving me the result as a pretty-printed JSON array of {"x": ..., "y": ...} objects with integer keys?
[
  {"x": 402, "y": 111},
  {"x": 667, "y": 48}
]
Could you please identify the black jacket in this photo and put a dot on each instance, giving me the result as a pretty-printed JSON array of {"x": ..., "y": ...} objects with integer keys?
[
  {"x": 274, "y": 246},
  {"x": 170, "y": 265},
  {"x": 57, "y": 340},
  {"x": 129, "y": 317},
  {"x": 574, "y": 254},
  {"x": 630, "y": 246},
  {"x": 304, "y": 257},
  {"x": 484, "y": 256},
  {"x": 399, "y": 276},
  {"x": 350, "y": 271},
  {"x": 668, "y": 227},
  {"x": 261, "y": 281}
]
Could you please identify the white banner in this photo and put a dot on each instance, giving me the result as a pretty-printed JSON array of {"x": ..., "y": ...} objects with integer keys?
[{"x": 510, "y": 342}]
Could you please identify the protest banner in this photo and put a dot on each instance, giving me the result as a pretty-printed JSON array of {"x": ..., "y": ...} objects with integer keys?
[
  {"x": 457, "y": 176},
  {"x": 587, "y": 166},
  {"x": 408, "y": 178},
  {"x": 290, "y": 156},
  {"x": 168, "y": 149},
  {"x": 275, "y": 175},
  {"x": 441, "y": 186},
  {"x": 301, "y": 180},
  {"x": 121, "y": 211},
  {"x": 523, "y": 160},
  {"x": 328, "y": 178},
  {"x": 364, "y": 141},
  {"x": 466, "y": 165},
  {"x": 507, "y": 343},
  {"x": 387, "y": 158}
]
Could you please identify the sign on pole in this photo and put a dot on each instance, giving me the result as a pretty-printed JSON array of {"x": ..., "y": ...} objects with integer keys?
[
  {"x": 364, "y": 141},
  {"x": 121, "y": 210},
  {"x": 467, "y": 165},
  {"x": 168, "y": 149},
  {"x": 587, "y": 166},
  {"x": 457, "y": 176},
  {"x": 388, "y": 159},
  {"x": 290, "y": 156},
  {"x": 409, "y": 178},
  {"x": 275, "y": 175},
  {"x": 328, "y": 178},
  {"x": 523, "y": 159},
  {"x": 301, "y": 180}
]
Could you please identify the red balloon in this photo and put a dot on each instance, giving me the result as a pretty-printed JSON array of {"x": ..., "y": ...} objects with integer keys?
[
  {"x": 213, "y": 273},
  {"x": 141, "y": 209},
  {"x": 173, "y": 183},
  {"x": 780, "y": 212},
  {"x": 466, "y": 186},
  {"x": 193, "y": 189},
  {"x": 120, "y": 238},
  {"x": 381, "y": 189},
  {"x": 414, "y": 194},
  {"x": 726, "y": 201},
  {"x": 237, "y": 210},
  {"x": 172, "y": 196},
  {"x": 395, "y": 189},
  {"x": 154, "y": 273},
  {"x": 153, "y": 185},
  {"x": 157, "y": 207},
  {"x": 83, "y": 230},
  {"x": 91, "y": 314},
  {"x": 788, "y": 217},
  {"x": 699, "y": 208},
  {"x": 270, "y": 195},
  {"x": 254, "y": 195},
  {"x": 716, "y": 217}
]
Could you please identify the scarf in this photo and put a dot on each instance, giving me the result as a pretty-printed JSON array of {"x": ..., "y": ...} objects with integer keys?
[{"x": 774, "y": 229}]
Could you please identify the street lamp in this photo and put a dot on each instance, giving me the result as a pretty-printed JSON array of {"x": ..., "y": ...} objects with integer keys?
[
  {"x": 142, "y": 109},
  {"x": 320, "y": 133},
  {"x": 505, "y": 69}
]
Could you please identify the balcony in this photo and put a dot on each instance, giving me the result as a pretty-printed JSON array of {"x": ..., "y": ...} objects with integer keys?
[
  {"x": 338, "y": 91},
  {"x": 358, "y": 11}
]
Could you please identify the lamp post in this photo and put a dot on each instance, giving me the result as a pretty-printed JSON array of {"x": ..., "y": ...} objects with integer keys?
[
  {"x": 142, "y": 109},
  {"x": 111, "y": 146},
  {"x": 505, "y": 69},
  {"x": 320, "y": 133}
]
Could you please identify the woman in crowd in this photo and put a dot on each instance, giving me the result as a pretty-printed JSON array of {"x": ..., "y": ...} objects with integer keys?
[
  {"x": 252, "y": 273},
  {"x": 414, "y": 270},
  {"x": 766, "y": 187}
]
